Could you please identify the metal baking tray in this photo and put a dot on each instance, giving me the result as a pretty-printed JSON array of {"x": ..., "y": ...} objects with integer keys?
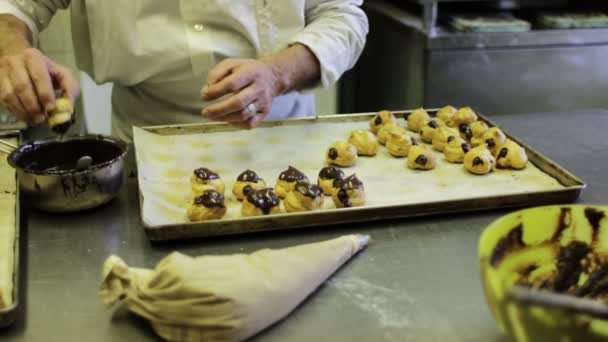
[
  {"x": 8, "y": 314},
  {"x": 569, "y": 191}
]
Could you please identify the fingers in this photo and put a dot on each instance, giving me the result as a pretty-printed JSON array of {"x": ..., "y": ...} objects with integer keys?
[
  {"x": 41, "y": 80},
  {"x": 235, "y": 103},
  {"x": 65, "y": 80},
  {"x": 10, "y": 100},
  {"x": 223, "y": 69},
  {"x": 230, "y": 85},
  {"x": 23, "y": 87}
]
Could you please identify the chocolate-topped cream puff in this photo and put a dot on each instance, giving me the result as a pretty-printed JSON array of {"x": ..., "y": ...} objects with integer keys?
[
  {"x": 381, "y": 118},
  {"x": 304, "y": 197},
  {"x": 428, "y": 129},
  {"x": 511, "y": 155},
  {"x": 388, "y": 129},
  {"x": 456, "y": 149},
  {"x": 441, "y": 137},
  {"x": 464, "y": 115},
  {"x": 246, "y": 181},
  {"x": 446, "y": 114},
  {"x": 261, "y": 202},
  {"x": 494, "y": 138},
  {"x": 416, "y": 119},
  {"x": 204, "y": 179},
  {"x": 479, "y": 160},
  {"x": 349, "y": 192},
  {"x": 207, "y": 206},
  {"x": 478, "y": 129},
  {"x": 420, "y": 157},
  {"x": 287, "y": 180},
  {"x": 341, "y": 154},
  {"x": 364, "y": 141},
  {"x": 62, "y": 117},
  {"x": 399, "y": 144},
  {"x": 327, "y": 175}
]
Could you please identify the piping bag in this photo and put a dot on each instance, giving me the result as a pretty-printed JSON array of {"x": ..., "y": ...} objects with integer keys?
[{"x": 224, "y": 298}]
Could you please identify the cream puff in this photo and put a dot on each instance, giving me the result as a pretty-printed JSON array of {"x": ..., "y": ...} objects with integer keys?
[
  {"x": 446, "y": 114},
  {"x": 464, "y": 115},
  {"x": 364, "y": 141},
  {"x": 428, "y": 129},
  {"x": 304, "y": 197},
  {"x": 420, "y": 157},
  {"x": 207, "y": 206},
  {"x": 456, "y": 149},
  {"x": 386, "y": 130},
  {"x": 383, "y": 117},
  {"x": 287, "y": 180},
  {"x": 62, "y": 117},
  {"x": 478, "y": 129},
  {"x": 261, "y": 202},
  {"x": 399, "y": 144},
  {"x": 511, "y": 155},
  {"x": 246, "y": 181},
  {"x": 494, "y": 138},
  {"x": 327, "y": 175},
  {"x": 341, "y": 154},
  {"x": 416, "y": 119},
  {"x": 479, "y": 160},
  {"x": 349, "y": 192},
  {"x": 441, "y": 137},
  {"x": 204, "y": 179}
]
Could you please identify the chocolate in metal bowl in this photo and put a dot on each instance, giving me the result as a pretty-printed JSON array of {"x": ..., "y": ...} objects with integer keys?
[
  {"x": 50, "y": 181},
  {"x": 558, "y": 256}
]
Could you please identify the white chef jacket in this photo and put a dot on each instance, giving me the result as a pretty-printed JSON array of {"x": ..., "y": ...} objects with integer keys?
[{"x": 158, "y": 53}]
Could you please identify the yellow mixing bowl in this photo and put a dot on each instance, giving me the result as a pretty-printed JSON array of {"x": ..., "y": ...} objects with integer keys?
[{"x": 558, "y": 248}]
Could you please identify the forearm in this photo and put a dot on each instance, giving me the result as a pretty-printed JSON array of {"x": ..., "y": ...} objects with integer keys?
[
  {"x": 15, "y": 36},
  {"x": 295, "y": 67}
]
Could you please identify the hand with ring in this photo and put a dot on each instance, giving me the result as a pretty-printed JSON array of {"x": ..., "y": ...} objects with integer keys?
[{"x": 250, "y": 84}]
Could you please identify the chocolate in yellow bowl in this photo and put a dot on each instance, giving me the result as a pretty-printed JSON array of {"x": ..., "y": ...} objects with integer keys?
[{"x": 554, "y": 250}]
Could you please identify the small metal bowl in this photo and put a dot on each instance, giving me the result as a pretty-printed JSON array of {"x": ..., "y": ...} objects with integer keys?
[{"x": 49, "y": 179}]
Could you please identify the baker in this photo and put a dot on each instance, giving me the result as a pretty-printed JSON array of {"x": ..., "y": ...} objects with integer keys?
[{"x": 236, "y": 61}]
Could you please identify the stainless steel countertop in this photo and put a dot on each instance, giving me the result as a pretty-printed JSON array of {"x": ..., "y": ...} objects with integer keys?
[{"x": 417, "y": 281}]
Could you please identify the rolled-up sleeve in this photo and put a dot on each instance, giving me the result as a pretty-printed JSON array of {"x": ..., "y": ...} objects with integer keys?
[
  {"x": 335, "y": 32},
  {"x": 36, "y": 14}
]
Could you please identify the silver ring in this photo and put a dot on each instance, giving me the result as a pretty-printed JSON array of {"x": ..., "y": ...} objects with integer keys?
[{"x": 251, "y": 108}]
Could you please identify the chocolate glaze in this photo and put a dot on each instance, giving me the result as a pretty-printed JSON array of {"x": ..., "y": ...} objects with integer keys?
[
  {"x": 477, "y": 161},
  {"x": 349, "y": 183},
  {"x": 331, "y": 172},
  {"x": 463, "y": 128},
  {"x": 594, "y": 217},
  {"x": 569, "y": 266},
  {"x": 332, "y": 154},
  {"x": 292, "y": 175},
  {"x": 210, "y": 199},
  {"x": 468, "y": 134},
  {"x": 421, "y": 160},
  {"x": 352, "y": 182},
  {"x": 204, "y": 173},
  {"x": 491, "y": 142},
  {"x": 450, "y": 138},
  {"x": 248, "y": 176},
  {"x": 432, "y": 123},
  {"x": 343, "y": 198},
  {"x": 265, "y": 199},
  {"x": 595, "y": 284},
  {"x": 465, "y": 147},
  {"x": 414, "y": 141},
  {"x": 378, "y": 120},
  {"x": 247, "y": 189},
  {"x": 308, "y": 190},
  {"x": 565, "y": 217},
  {"x": 513, "y": 241},
  {"x": 503, "y": 153},
  {"x": 63, "y": 127}
]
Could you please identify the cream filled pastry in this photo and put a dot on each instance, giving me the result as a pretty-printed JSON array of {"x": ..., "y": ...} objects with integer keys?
[
  {"x": 341, "y": 154},
  {"x": 381, "y": 118},
  {"x": 204, "y": 179},
  {"x": 246, "y": 181},
  {"x": 456, "y": 149},
  {"x": 441, "y": 137},
  {"x": 428, "y": 129},
  {"x": 304, "y": 197},
  {"x": 327, "y": 175},
  {"x": 479, "y": 160},
  {"x": 478, "y": 129},
  {"x": 416, "y": 119},
  {"x": 399, "y": 144},
  {"x": 420, "y": 157},
  {"x": 388, "y": 129},
  {"x": 494, "y": 138},
  {"x": 511, "y": 155},
  {"x": 287, "y": 180},
  {"x": 207, "y": 206},
  {"x": 464, "y": 115},
  {"x": 261, "y": 202},
  {"x": 349, "y": 192},
  {"x": 62, "y": 117},
  {"x": 446, "y": 114},
  {"x": 364, "y": 141}
]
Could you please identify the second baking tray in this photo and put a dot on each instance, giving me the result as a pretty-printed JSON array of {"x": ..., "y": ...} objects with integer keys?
[{"x": 167, "y": 155}]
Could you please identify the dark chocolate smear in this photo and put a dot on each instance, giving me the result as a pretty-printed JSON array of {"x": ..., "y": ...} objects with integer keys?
[
  {"x": 432, "y": 123},
  {"x": 332, "y": 154},
  {"x": 511, "y": 242},
  {"x": 265, "y": 199},
  {"x": 450, "y": 138},
  {"x": 331, "y": 172},
  {"x": 63, "y": 127},
  {"x": 463, "y": 128},
  {"x": 569, "y": 266},
  {"x": 205, "y": 174},
  {"x": 247, "y": 189},
  {"x": 503, "y": 153},
  {"x": 210, "y": 199},
  {"x": 491, "y": 142},
  {"x": 595, "y": 284},
  {"x": 477, "y": 161},
  {"x": 421, "y": 160},
  {"x": 468, "y": 134},
  {"x": 565, "y": 218},
  {"x": 343, "y": 198},
  {"x": 308, "y": 190},
  {"x": 351, "y": 183},
  {"x": 414, "y": 141},
  {"x": 465, "y": 147},
  {"x": 378, "y": 120},
  {"x": 594, "y": 217},
  {"x": 292, "y": 175},
  {"x": 248, "y": 176}
]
